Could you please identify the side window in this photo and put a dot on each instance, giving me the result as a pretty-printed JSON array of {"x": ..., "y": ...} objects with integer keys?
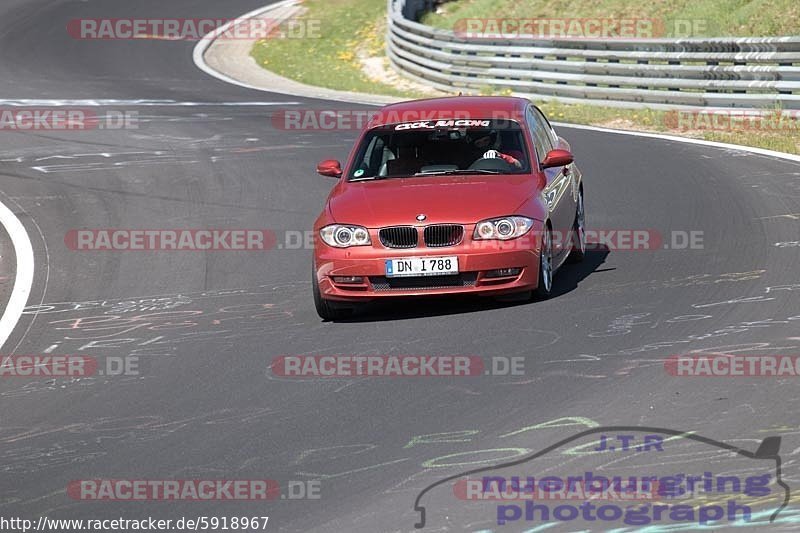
[
  {"x": 373, "y": 155},
  {"x": 547, "y": 127},
  {"x": 377, "y": 154},
  {"x": 541, "y": 139}
]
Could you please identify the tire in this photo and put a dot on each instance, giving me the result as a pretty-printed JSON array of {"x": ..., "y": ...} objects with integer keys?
[
  {"x": 544, "y": 288},
  {"x": 578, "y": 252},
  {"x": 326, "y": 309}
]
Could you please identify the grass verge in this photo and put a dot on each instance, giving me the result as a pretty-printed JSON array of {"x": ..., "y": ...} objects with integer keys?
[{"x": 349, "y": 30}]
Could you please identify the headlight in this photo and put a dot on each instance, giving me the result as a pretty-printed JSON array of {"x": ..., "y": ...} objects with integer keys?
[
  {"x": 503, "y": 228},
  {"x": 340, "y": 236}
]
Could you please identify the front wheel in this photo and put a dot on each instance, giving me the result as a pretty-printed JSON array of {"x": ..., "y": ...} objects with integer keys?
[
  {"x": 545, "y": 286},
  {"x": 578, "y": 252}
]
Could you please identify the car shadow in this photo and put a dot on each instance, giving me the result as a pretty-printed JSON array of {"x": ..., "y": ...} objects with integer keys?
[
  {"x": 567, "y": 279},
  {"x": 571, "y": 274}
]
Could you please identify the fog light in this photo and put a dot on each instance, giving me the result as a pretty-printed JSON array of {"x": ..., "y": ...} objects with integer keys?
[
  {"x": 503, "y": 272},
  {"x": 348, "y": 279}
]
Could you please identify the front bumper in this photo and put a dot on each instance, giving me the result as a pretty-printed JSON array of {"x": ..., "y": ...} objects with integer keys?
[{"x": 475, "y": 259}]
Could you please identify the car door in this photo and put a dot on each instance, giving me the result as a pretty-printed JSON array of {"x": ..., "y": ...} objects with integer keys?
[{"x": 558, "y": 189}]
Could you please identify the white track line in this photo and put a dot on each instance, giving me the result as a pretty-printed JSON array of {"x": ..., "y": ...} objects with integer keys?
[{"x": 24, "y": 267}]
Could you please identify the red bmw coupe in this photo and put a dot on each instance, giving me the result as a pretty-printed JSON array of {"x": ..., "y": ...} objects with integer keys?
[{"x": 449, "y": 195}]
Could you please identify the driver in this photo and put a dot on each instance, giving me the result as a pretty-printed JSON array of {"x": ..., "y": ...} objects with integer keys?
[{"x": 487, "y": 146}]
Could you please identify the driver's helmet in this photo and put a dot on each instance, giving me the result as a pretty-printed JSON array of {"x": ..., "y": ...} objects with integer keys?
[{"x": 486, "y": 140}]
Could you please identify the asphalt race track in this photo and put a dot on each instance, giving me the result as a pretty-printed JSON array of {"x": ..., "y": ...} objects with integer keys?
[{"x": 206, "y": 326}]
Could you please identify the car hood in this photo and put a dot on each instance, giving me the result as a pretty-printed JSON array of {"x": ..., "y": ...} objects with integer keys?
[{"x": 456, "y": 199}]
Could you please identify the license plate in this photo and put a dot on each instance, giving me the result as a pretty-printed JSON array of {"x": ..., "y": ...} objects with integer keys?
[{"x": 421, "y": 266}]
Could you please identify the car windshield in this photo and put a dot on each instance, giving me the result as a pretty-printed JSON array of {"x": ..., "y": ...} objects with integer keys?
[{"x": 441, "y": 147}]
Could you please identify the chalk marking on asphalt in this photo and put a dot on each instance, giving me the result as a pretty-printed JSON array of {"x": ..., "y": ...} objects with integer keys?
[{"x": 793, "y": 216}]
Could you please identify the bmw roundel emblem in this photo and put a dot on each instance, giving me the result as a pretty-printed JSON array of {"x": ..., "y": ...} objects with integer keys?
[{"x": 421, "y": 217}]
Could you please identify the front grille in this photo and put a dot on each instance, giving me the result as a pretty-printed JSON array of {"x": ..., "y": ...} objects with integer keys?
[
  {"x": 443, "y": 235},
  {"x": 398, "y": 237},
  {"x": 381, "y": 283}
]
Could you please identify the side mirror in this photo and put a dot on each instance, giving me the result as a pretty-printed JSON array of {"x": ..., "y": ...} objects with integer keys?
[
  {"x": 557, "y": 158},
  {"x": 330, "y": 167}
]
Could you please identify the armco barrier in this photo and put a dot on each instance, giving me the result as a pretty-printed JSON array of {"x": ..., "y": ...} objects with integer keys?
[{"x": 718, "y": 72}]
